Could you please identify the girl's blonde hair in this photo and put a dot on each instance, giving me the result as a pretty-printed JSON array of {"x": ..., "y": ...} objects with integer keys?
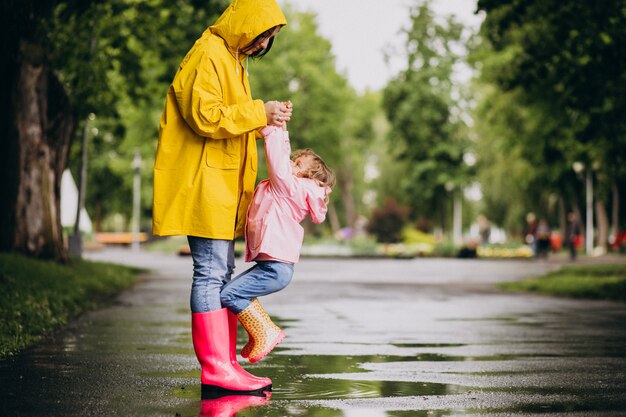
[{"x": 319, "y": 170}]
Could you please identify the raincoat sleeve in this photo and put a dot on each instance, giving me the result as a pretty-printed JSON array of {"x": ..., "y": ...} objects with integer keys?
[
  {"x": 277, "y": 154},
  {"x": 201, "y": 102}
]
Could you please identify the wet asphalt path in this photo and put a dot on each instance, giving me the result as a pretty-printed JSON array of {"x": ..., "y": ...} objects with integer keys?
[{"x": 366, "y": 338}]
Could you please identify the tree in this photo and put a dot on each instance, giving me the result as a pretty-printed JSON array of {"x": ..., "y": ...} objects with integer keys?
[
  {"x": 565, "y": 61},
  {"x": 521, "y": 160},
  {"x": 64, "y": 60},
  {"x": 36, "y": 124},
  {"x": 425, "y": 111}
]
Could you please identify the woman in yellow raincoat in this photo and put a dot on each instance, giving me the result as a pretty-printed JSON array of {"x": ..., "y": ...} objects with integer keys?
[{"x": 205, "y": 172}]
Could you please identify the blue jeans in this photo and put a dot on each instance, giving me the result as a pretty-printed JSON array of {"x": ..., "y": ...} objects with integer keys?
[
  {"x": 213, "y": 266},
  {"x": 264, "y": 278}
]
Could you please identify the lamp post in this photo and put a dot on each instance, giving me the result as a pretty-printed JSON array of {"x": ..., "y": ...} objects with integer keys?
[
  {"x": 457, "y": 213},
  {"x": 136, "y": 198},
  {"x": 75, "y": 244},
  {"x": 578, "y": 168},
  {"x": 457, "y": 219}
]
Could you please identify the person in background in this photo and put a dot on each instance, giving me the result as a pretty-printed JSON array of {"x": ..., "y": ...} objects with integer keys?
[
  {"x": 543, "y": 239},
  {"x": 571, "y": 234},
  {"x": 484, "y": 229},
  {"x": 530, "y": 234}
]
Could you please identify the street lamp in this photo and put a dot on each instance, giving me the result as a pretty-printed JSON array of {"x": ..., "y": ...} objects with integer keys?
[
  {"x": 579, "y": 167},
  {"x": 457, "y": 213},
  {"x": 75, "y": 244}
]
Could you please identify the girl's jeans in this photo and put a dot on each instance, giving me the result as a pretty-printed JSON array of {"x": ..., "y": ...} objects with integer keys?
[
  {"x": 213, "y": 266},
  {"x": 264, "y": 278}
]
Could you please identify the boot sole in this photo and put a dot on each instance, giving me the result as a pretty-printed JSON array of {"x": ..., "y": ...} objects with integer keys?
[
  {"x": 213, "y": 391},
  {"x": 279, "y": 339}
]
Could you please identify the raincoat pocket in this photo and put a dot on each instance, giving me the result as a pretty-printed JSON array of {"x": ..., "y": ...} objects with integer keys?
[
  {"x": 255, "y": 233},
  {"x": 222, "y": 153}
]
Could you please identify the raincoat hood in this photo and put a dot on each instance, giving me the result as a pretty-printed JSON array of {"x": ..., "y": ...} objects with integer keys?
[{"x": 244, "y": 20}]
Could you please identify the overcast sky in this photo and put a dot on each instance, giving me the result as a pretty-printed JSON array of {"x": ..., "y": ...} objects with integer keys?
[{"x": 360, "y": 31}]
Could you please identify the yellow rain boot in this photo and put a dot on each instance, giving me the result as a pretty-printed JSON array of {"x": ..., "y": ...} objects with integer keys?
[
  {"x": 245, "y": 351},
  {"x": 264, "y": 334}
]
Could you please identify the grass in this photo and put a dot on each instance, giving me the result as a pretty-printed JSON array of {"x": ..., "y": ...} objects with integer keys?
[
  {"x": 38, "y": 297},
  {"x": 606, "y": 282}
]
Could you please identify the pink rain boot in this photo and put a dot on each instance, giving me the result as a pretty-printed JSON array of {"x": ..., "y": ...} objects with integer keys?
[{"x": 210, "y": 332}]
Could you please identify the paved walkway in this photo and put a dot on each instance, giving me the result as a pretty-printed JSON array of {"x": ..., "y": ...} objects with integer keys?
[{"x": 367, "y": 338}]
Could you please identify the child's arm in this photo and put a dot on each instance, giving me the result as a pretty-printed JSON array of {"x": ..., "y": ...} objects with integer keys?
[
  {"x": 316, "y": 198},
  {"x": 277, "y": 155}
]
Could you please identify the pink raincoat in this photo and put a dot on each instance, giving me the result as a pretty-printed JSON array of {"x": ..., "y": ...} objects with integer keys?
[{"x": 280, "y": 203}]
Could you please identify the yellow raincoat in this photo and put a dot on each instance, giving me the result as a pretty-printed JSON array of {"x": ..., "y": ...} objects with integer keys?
[{"x": 206, "y": 160}]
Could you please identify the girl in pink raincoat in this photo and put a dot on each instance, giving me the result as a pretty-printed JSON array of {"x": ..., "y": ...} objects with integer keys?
[{"x": 295, "y": 189}]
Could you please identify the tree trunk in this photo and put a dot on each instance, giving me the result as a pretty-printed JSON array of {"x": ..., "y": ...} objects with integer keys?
[
  {"x": 602, "y": 220},
  {"x": 347, "y": 196},
  {"x": 39, "y": 138},
  {"x": 562, "y": 217},
  {"x": 615, "y": 208},
  {"x": 98, "y": 218},
  {"x": 333, "y": 219},
  {"x": 579, "y": 218}
]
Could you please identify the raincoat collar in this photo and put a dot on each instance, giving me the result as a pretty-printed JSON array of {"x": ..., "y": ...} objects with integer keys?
[{"x": 244, "y": 20}]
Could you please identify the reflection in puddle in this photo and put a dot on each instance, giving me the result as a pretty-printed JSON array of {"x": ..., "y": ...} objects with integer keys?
[
  {"x": 427, "y": 345},
  {"x": 292, "y": 378},
  {"x": 230, "y": 405},
  {"x": 423, "y": 413}
]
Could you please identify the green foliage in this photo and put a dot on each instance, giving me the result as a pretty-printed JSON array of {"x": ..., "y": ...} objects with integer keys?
[
  {"x": 510, "y": 250},
  {"x": 560, "y": 54},
  {"x": 558, "y": 73},
  {"x": 596, "y": 282},
  {"x": 423, "y": 105},
  {"x": 122, "y": 48},
  {"x": 521, "y": 158},
  {"x": 445, "y": 249},
  {"x": 38, "y": 297},
  {"x": 364, "y": 246}
]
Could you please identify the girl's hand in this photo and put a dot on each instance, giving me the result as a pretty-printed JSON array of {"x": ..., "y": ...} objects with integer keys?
[{"x": 278, "y": 113}]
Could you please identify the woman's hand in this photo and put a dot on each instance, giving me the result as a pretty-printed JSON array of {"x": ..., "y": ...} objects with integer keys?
[{"x": 278, "y": 113}]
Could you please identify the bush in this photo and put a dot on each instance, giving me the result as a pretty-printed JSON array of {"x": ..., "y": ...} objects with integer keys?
[
  {"x": 412, "y": 236},
  {"x": 386, "y": 223},
  {"x": 445, "y": 249}
]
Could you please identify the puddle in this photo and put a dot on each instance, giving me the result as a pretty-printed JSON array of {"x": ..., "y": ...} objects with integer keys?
[
  {"x": 301, "y": 389},
  {"x": 422, "y": 413},
  {"x": 293, "y": 379},
  {"x": 156, "y": 359},
  {"x": 427, "y": 345}
]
